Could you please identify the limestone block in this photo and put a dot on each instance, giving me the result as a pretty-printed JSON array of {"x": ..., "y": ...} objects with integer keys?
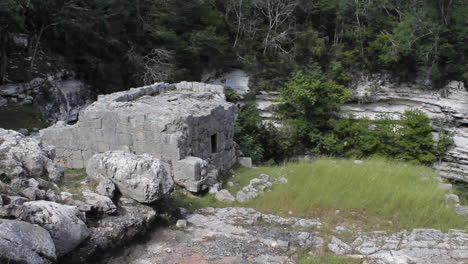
[{"x": 188, "y": 173}]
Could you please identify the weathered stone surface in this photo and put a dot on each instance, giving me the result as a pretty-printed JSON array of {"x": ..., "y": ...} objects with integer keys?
[
  {"x": 22, "y": 242},
  {"x": 256, "y": 187},
  {"x": 131, "y": 219},
  {"x": 339, "y": 247},
  {"x": 100, "y": 203},
  {"x": 106, "y": 187},
  {"x": 140, "y": 177},
  {"x": 26, "y": 157},
  {"x": 447, "y": 107},
  {"x": 238, "y": 80},
  {"x": 190, "y": 173},
  {"x": 62, "y": 221},
  {"x": 169, "y": 122},
  {"x": 245, "y": 162},
  {"x": 56, "y": 96},
  {"x": 224, "y": 196},
  {"x": 421, "y": 246},
  {"x": 222, "y": 235}
]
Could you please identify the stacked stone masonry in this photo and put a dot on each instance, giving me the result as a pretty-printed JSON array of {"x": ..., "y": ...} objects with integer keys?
[{"x": 171, "y": 122}]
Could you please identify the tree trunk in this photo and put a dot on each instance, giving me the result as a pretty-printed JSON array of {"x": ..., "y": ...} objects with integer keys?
[{"x": 3, "y": 54}]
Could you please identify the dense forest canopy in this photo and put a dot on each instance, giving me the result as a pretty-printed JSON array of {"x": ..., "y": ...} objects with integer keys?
[{"x": 115, "y": 44}]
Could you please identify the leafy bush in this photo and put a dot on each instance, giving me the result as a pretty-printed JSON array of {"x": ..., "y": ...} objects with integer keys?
[{"x": 232, "y": 96}]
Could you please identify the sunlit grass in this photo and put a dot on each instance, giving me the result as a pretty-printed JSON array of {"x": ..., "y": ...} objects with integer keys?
[{"x": 375, "y": 194}]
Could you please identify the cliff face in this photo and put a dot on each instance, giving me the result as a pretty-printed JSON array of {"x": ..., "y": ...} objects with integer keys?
[{"x": 447, "y": 107}]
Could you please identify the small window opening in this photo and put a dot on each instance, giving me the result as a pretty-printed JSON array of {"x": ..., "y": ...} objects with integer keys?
[{"x": 214, "y": 143}]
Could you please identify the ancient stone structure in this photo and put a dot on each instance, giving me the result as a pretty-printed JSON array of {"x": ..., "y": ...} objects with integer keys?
[{"x": 188, "y": 125}]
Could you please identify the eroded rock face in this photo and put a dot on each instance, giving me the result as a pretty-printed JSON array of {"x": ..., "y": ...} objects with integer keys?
[
  {"x": 130, "y": 220},
  {"x": 57, "y": 96},
  {"x": 140, "y": 177},
  {"x": 447, "y": 107},
  {"x": 62, "y": 221},
  {"x": 223, "y": 235},
  {"x": 26, "y": 157},
  {"x": 22, "y": 242},
  {"x": 420, "y": 246}
]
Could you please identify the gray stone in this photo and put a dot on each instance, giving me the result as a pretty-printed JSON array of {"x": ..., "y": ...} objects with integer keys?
[
  {"x": 224, "y": 196},
  {"x": 339, "y": 247},
  {"x": 106, "y": 187},
  {"x": 181, "y": 224},
  {"x": 444, "y": 186},
  {"x": 452, "y": 198},
  {"x": 62, "y": 221},
  {"x": 200, "y": 123},
  {"x": 190, "y": 173},
  {"x": 100, "y": 203},
  {"x": 140, "y": 177},
  {"x": 115, "y": 231},
  {"x": 26, "y": 156},
  {"x": 3, "y": 101},
  {"x": 245, "y": 162},
  {"x": 215, "y": 188},
  {"x": 22, "y": 242}
]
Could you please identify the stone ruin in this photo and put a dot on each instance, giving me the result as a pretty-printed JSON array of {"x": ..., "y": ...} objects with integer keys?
[{"x": 189, "y": 125}]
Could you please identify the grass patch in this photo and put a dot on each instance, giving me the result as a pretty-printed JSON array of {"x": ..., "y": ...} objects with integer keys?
[
  {"x": 72, "y": 182},
  {"x": 327, "y": 260},
  {"x": 377, "y": 194},
  {"x": 22, "y": 116}
]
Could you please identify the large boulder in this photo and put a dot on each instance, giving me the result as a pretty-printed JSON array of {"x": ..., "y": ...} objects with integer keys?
[
  {"x": 22, "y": 156},
  {"x": 22, "y": 242},
  {"x": 63, "y": 222},
  {"x": 140, "y": 177}
]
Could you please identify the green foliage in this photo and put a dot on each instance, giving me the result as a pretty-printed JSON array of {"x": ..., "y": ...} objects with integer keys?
[
  {"x": 312, "y": 94},
  {"x": 409, "y": 138},
  {"x": 232, "y": 96}
]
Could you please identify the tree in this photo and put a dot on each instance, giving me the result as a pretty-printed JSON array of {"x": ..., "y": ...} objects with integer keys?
[{"x": 12, "y": 19}]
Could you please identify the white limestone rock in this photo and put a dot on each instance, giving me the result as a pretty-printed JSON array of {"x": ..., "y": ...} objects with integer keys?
[
  {"x": 339, "y": 247},
  {"x": 100, "y": 203},
  {"x": 224, "y": 196},
  {"x": 62, "y": 221},
  {"x": 140, "y": 177},
  {"x": 22, "y": 242},
  {"x": 106, "y": 187},
  {"x": 190, "y": 173},
  {"x": 26, "y": 157}
]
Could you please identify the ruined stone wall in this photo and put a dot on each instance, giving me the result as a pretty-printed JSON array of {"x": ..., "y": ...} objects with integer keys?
[{"x": 131, "y": 122}]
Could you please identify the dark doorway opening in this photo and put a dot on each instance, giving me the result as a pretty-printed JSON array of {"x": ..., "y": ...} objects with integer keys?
[{"x": 214, "y": 143}]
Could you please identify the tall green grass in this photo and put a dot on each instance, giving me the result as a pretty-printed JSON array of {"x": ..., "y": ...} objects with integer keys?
[{"x": 378, "y": 193}]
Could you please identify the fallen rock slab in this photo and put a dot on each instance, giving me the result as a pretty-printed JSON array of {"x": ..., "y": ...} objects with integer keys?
[
  {"x": 140, "y": 177},
  {"x": 62, "y": 221},
  {"x": 22, "y": 242},
  {"x": 129, "y": 221}
]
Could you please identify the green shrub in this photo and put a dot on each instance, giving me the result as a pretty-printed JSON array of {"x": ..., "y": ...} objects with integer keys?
[{"x": 232, "y": 96}]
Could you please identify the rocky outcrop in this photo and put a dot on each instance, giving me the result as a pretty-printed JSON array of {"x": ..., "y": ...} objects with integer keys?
[
  {"x": 447, "y": 107},
  {"x": 64, "y": 223},
  {"x": 130, "y": 220},
  {"x": 57, "y": 96},
  {"x": 419, "y": 246},
  {"x": 22, "y": 242},
  {"x": 225, "y": 235},
  {"x": 22, "y": 156},
  {"x": 140, "y": 177},
  {"x": 237, "y": 80}
]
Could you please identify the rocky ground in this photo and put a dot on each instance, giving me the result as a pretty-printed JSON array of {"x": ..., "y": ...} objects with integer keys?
[{"x": 243, "y": 235}]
